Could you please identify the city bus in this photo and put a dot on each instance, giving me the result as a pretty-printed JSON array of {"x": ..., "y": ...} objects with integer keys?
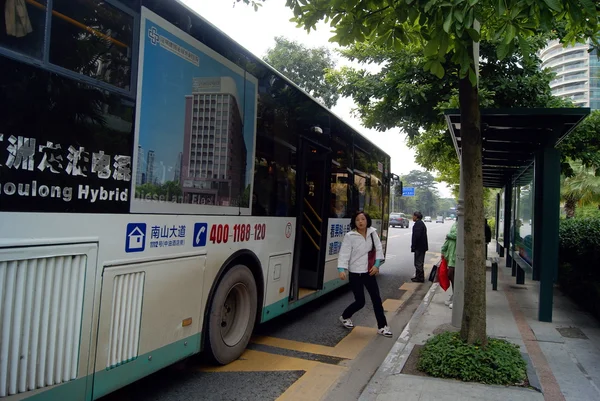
[{"x": 162, "y": 192}]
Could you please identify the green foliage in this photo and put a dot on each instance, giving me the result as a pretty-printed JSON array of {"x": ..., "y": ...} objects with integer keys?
[
  {"x": 583, "y": 144},
  {"x": 492, "y": 224},
  {"x": 580, "y": 242},
  {"x": 588, "y": 212},
  {"x": 426, "y": 199},
  {"x": 254, "y": 3},
  {"x": 579, "y": 251},
  {"x": 448, "y": 28},
  {"x": 447, "y": 355},
  {"x": 580, "y": 187},
  {"x": 403, "y": 95},
  {"x": 419, "y": 179},
  {"x": 306, "y": 67}
]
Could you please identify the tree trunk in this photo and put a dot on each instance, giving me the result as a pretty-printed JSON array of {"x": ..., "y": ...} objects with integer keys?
[
  {"x": 473, "y": 328},
  {"x": 570, "y": 205}
]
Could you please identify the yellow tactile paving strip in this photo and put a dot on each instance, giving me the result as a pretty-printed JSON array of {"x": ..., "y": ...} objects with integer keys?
[{"x": 318, "y": 377}]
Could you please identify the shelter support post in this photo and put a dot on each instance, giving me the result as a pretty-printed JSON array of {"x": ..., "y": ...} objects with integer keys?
[
  {"x": 547, "y": 174},
  {"x": 459, "y": 269},
  {"x": 497, "y": 223},
  {"x": 507, "y": 220}
]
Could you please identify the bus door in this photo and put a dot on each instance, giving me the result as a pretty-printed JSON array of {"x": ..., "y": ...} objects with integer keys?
[{"x": 312, "y": 200}]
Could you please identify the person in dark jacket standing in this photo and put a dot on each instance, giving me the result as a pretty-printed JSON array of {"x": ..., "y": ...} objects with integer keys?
[
  {"x": 488, "y": 237},
  {"x": 419, "y": 246}
]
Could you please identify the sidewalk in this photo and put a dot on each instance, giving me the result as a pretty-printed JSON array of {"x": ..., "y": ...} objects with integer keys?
[{"x": 563, "y": 356}]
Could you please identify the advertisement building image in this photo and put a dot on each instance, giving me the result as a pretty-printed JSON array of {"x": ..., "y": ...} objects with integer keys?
[{"x": 213, "y": 164}]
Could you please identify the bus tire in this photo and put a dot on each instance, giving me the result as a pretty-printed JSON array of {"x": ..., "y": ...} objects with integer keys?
[{"x": 232, "y": 315}]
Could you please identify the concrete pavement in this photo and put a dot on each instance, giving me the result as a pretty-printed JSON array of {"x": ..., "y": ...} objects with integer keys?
[{"x": 562, "y": 356}]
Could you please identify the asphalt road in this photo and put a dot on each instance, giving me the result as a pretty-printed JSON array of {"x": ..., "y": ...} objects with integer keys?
[{"x": 304, "y": 352}]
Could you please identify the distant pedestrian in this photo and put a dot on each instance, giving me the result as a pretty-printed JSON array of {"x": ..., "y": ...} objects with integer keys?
[
  {"x": 419, "y": 246},
  {"x": 449, "y": 253},
  {"x": 361, "y": 254},
  {"x": 488, "y": 237}
]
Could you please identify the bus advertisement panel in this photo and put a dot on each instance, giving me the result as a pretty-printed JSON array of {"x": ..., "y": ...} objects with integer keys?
[{"x": 196, "y": 122}]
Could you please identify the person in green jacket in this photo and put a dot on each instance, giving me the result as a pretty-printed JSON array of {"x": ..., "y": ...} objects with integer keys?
[{"x": 449, "y": 253}]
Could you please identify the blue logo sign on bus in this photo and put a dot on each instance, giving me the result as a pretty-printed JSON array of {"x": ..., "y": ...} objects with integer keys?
[
  {"x": 135, "y": 237},
  {"x": 408, "y": 191},
  {"x": 200, "y": 234}
]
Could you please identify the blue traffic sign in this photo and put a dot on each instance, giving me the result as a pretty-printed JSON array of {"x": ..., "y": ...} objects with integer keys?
[
  {"x": 200, "y": 234},
  {"x": 408, "y": 191}
]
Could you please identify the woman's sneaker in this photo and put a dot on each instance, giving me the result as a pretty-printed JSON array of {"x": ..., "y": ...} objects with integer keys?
[
  {"x": 347, "y": 323},
  {"x": 385, "y": 331}
]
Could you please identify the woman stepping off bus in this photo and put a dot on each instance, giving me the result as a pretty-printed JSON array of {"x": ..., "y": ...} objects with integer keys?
[{"x": 361, "y": 254}]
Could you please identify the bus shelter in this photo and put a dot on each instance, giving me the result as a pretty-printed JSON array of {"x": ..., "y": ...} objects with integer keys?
[{"x": 520, "y": 157}]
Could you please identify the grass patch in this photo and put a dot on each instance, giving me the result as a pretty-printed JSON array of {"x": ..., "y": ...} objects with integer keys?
[{"x": 446, "y": 355}]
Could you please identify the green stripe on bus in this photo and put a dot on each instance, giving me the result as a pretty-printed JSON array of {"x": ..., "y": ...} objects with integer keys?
[
  {"x": 280, "y": 307},
  {"x": 73, "y": 390},
  {"x": 107, "y": 381}
]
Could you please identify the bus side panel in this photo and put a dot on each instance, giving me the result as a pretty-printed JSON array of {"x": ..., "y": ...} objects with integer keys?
[
  {"x": 149, "y": 318},
  {"x": 46, "y": 309}
]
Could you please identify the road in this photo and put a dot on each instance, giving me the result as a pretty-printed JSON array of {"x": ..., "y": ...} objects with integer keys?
[{"x": 307, "y": 353}]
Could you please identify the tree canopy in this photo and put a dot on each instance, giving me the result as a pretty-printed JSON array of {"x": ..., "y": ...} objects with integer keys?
[
  {"x": 426, "y": 198},
  {"x": 306, "y": 67},
  {"x": 583, "y": 144},
  {"x": 401, "y": 94}
]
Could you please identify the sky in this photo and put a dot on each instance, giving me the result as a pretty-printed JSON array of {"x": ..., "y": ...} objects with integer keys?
[{"x": 256, "y": 30}]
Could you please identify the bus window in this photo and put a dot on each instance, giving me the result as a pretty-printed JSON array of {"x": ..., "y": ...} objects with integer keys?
[
  {"x": 341, "y": 173},
  {"x": 375, "y": 198},
  {"x": 70, "y": 143},
  {"x": 275, "y": 165},
  {"x": 23, "y": 33},
  {"x": 94, "y": 39}
]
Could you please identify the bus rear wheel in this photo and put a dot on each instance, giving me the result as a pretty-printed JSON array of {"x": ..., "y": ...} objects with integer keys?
[{"x": 232, "y": 315}]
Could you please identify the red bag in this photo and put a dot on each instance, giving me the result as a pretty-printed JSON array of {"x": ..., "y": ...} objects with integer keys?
[
  {"x": 443, "y": 274},
  {"x": 371, "y": 255}
]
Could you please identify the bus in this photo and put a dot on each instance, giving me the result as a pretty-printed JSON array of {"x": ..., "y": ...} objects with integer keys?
[{"x": 162, "y": 192}]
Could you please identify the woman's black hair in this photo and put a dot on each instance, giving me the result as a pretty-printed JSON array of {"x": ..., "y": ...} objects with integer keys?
[{"x": 355, "y": 215}]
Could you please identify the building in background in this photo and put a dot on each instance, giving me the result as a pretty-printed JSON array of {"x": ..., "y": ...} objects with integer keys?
[
  {"x": 139, "y": 174},
  {"x": 214, "y": 153},
  {"x": 177, "y": 173},
  {"x": 150, "y": 176},
  {"x": 577, "y": 73}
]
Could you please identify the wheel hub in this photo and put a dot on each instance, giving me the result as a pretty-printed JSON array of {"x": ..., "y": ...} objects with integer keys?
[{"x": 234, "y": 314}]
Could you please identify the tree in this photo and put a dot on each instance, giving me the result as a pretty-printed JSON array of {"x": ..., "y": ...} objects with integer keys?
[
  {"x": 449, "y": 29},
  {"x": 583, "y": 144},
  {"x": 580, "y": 188},
  {"x": 402, "y": 95},
  {"x": 419, "y": 179},
  {"x": 305, "y": 67}
]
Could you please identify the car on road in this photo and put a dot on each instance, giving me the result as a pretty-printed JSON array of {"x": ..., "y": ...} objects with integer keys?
[
  {"x": 427, "y": 219},
  {"x": 398, "y": 219},
  {"x": 439, "y": 219}
]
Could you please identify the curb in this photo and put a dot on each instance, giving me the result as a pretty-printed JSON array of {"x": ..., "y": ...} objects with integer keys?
[{"x": 396, "y": 358}]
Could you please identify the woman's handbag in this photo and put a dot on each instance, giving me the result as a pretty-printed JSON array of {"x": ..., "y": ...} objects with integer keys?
[
  {"x": 371, "y": 254},
  {"x": 434, "y": 271}
]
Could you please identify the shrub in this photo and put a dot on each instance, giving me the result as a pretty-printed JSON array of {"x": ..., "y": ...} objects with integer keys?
[
  {"x": 579, "y": 246},
  {"x": 492, "y": 224},
  {"x": 579, "y": 253},
  {"x": 447, "y": 355}
]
